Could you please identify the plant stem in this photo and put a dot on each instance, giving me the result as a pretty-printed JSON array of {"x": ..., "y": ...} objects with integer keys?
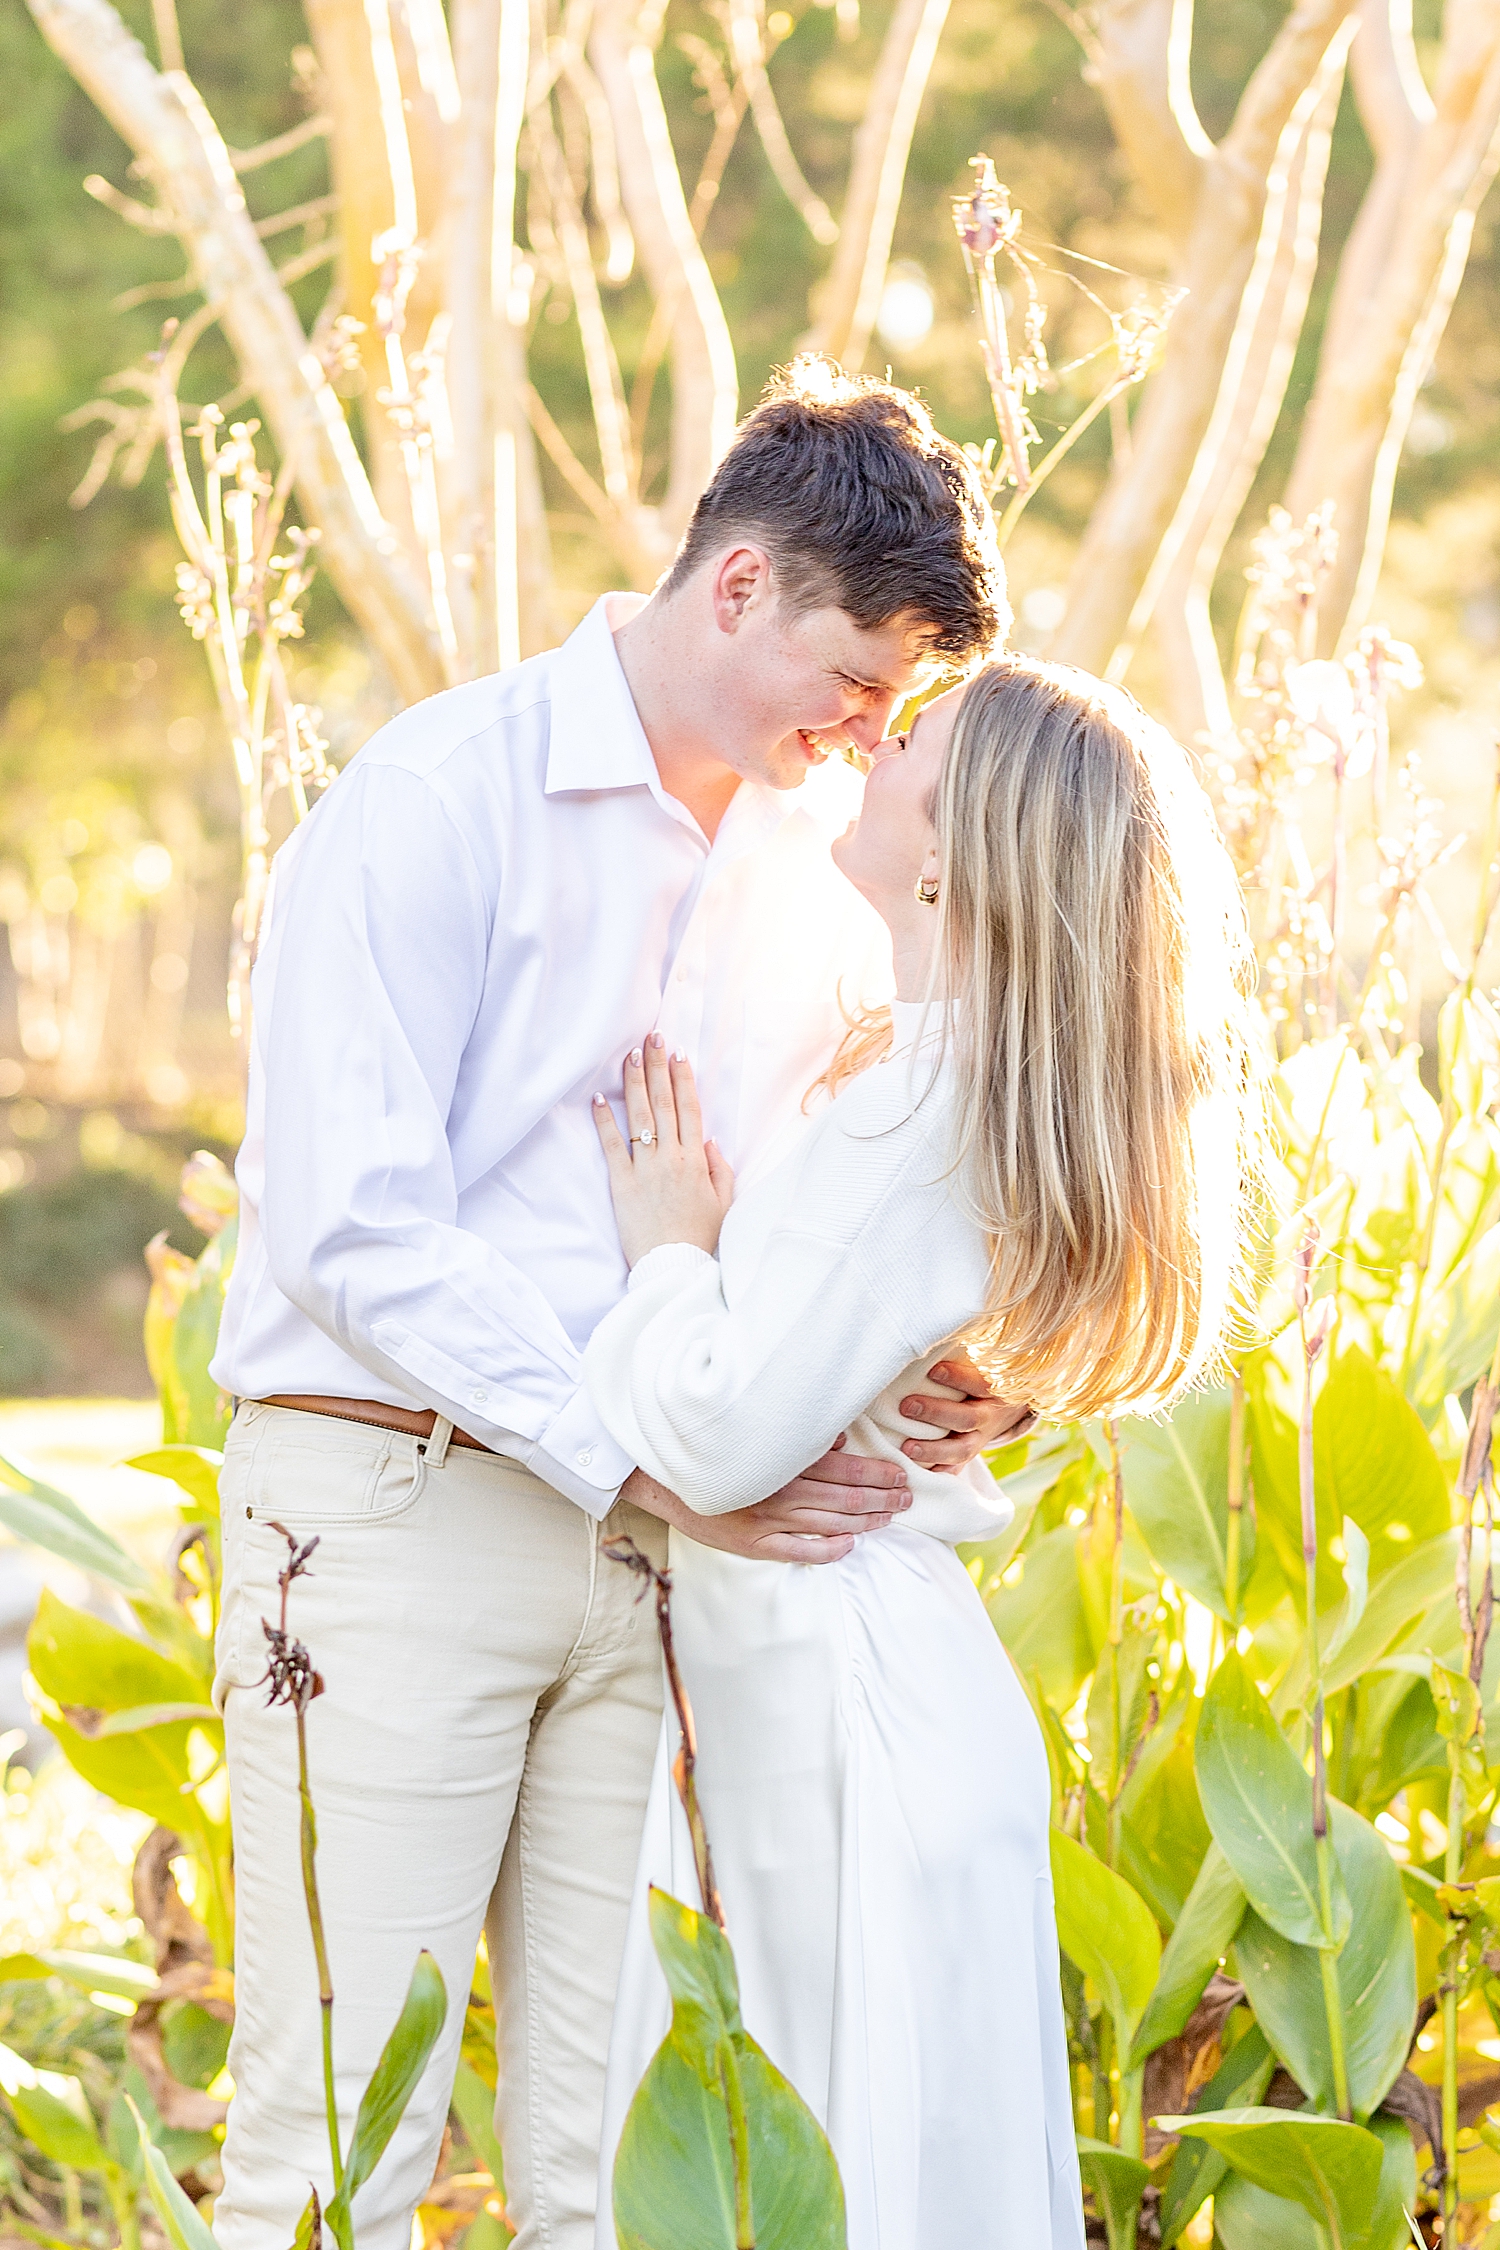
[
  {"x": 1236, "y": 1498},
  {"x": 1453, "y": 1863},
  {"x": 1103, "y": 2071},
  {"x": 1116, "y": 1637},
  {"x": 1132, "y": 2125},
  {"x": 684, "y": 1766},
  {"x": 121, "y": 2196},
  {"x": 320, "y": 1947},
  {"x": 1049, "y": 460},
  {"x": 1429, "y": 1232},
  {"x": 739, "y": 2146},
  {"x": 1322, "y": 1842}
]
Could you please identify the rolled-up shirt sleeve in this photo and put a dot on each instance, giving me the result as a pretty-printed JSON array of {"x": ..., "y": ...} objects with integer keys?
[{"x": 386, "y": 928}]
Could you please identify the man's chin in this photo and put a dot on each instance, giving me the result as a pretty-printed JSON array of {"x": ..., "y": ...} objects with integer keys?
[{"x": 797, "y": 755}]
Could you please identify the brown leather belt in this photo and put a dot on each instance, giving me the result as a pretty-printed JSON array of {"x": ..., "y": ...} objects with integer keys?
[{"x": 412, "y": 1421}]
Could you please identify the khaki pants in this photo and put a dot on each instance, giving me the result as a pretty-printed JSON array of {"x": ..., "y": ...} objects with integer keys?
[{"x": 480, "y": 1758}]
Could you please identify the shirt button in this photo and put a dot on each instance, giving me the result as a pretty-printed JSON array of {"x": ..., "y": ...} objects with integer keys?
[
  {"x": 477, "y": 1398},
  {"x": 585, "y": 1458}
]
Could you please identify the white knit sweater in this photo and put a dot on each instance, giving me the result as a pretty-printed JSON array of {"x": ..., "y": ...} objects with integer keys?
[{"x": 840, "y": 1275}]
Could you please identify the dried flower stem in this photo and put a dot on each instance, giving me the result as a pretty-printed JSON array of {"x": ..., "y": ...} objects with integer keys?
[
  {"x": 684, "y": 1765},
  {"x": 293, "y": 1681}
]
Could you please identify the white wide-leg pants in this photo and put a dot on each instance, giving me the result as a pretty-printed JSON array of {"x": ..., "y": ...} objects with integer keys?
[{"x": 480, "y": 1758}]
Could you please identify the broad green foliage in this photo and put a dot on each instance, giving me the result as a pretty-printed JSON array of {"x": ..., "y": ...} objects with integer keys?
[
  {"x": 1330, "y": 2168},
  {"x": 1197, "y": 2168},
  {"x": 1178, "y": 1673},
  {"x": 392, "y": 2084},
  {"x": 1259, "y": 1805},
  {"x": 1377, "y": 1977},
  {"x": 1108, "y": 1930},
  {"x": 674, "y": 2185},
  {"x": 1211, "y": 1915},
  {"x": 1117, "y": 2181},
  {"x": 1178, "y": 1478}
]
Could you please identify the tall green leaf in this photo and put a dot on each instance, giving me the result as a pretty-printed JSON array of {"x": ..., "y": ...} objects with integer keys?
[
  {"x": 1413, "y": 1592},
  {"x": 39, "y": 1514},
  {"x": 90, "y": 1972},
  {"x": 475, "y": 2103},
  {"x": 194, "y": 1469},
  {"x": 309, "y": 2234},
  {"x": 1459, "y": 1323},
  {"x": 1251, "y": 2218},
  {"x": 82, "y": 1660},
  {"x": 1042, "y": 1620},
  {"x": 1177, "y": 1487},
  {"x": 1205, "y": 1931},
  {"x": 1118, "y": 2182},
  {"x": 1258, "y": 1800},
  {"x": 1162, "y": 1834},
  {"x": 185, "y": 2229},
  {"x": 1377, "y": 1978},
  {"x": 1196, "y": 2169},
  {"x": 1118, "y": 1705},
  {"x": 673, "y": 2182},
  {"x": 53, "y": 2114},
  {"x": 1107, "y": 1930},
  {"x": 1330, "y": 2168},
  {"x": 1374, "y": 1461},
  {"x": 392, "y": 2082}
]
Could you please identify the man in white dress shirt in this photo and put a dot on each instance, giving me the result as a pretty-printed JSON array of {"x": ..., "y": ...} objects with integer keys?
[{"x": 511, "y": 886}]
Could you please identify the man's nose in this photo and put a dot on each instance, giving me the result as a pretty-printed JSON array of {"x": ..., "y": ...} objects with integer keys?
[{"x": 867, "y": 729}]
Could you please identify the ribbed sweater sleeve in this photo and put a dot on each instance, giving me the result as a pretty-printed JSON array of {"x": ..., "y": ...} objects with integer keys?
[{"x": 725, "y": 1396}]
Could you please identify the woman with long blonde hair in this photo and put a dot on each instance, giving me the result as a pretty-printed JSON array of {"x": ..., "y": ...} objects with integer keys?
[{"x": 1041, "y": 1151}]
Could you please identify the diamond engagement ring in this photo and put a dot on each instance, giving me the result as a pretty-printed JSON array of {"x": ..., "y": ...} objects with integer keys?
[{"x": 645, "y": 1138}]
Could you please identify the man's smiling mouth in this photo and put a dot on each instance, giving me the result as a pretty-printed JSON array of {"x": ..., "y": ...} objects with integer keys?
[{"x": 820, "y": 747}]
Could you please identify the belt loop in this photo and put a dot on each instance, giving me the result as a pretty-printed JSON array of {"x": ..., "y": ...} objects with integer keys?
[{"x": 436, "y": 1447}]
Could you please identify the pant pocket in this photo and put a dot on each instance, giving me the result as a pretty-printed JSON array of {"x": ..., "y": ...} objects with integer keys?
[{"x": 313, "y": 1475}]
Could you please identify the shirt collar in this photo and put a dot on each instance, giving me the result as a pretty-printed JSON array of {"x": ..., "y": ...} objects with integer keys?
[
  {"x": 596, "y": 739},
  {"x": 597, "y": 742}
]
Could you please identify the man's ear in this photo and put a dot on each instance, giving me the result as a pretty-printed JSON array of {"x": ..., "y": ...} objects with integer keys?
[{"x": 741, "y": 583}]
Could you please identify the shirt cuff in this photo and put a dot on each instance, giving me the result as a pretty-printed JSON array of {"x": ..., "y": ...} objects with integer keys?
[
  {"x": 670, "y": 1261},
  {"x": 576, "y": 1455}
]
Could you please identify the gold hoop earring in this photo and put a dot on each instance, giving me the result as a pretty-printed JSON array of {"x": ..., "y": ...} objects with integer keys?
[{"x": 925, "y": 890}]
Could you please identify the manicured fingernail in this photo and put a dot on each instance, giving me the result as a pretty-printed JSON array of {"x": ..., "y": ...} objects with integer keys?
[
  {"x": 598, "y": 1101},
  {"x": 657, "y": 1039},
  {"x": 635, "y": 1056},
  {"x": 678, "y": 1055}
]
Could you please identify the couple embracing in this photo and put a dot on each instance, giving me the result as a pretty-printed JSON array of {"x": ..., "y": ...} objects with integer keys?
[{"x": 657, "y": 1127}]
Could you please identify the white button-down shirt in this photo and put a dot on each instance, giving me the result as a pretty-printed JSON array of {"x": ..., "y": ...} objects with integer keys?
[{"x": 495, "y": 902}]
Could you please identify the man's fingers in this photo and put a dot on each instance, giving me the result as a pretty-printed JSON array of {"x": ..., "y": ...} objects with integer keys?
[
  {"x": 857, "y": 1500},
  {"x": 960, "y": 1374},
  {"x": 840, "y": 1467},
  {"x": 947, "y": 1413},
  {"x": 825, "y": 1523},
  {"x": 938, "y": 1453},
  {"x": 785, "y": 1546}
]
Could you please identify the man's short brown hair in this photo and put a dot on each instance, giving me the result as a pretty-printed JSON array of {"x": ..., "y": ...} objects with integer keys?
[{"x": 861, "y": 506}]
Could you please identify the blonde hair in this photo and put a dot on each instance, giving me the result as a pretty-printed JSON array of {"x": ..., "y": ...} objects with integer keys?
[{"x": 1107, "y": 1088}]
